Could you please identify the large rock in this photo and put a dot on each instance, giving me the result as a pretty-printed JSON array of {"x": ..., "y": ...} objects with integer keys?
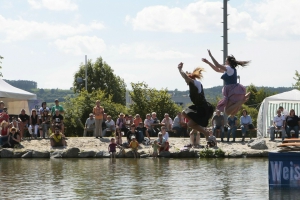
[
  {"x": 7, "y": 153},
  {"x": 165, "y": 154},
  {"x": 71, "y": 153},
  {"x": 87, "y": 154},
  {"x": 99, "y": 154},
  {"x": 106, "y": 154},
  {"x": 19, "y": 154},
  {"x": 234, "y": 154},
  {"x": 40, "y": 154},
  {"x": 259, "y": 144},
  {"x": 129, "y": 154},
  {"x": 27, "y": 155},
  {"x": 56, "y": 154},
  {"x": 144, "y": 155}
]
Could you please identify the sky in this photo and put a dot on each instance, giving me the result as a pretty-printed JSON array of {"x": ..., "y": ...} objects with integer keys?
[{"x": 47, "y": 40}]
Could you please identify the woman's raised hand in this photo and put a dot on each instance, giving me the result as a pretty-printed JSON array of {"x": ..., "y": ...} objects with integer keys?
[
  {"x": 209, "y": 53},
  {"x": 180, "y": 65},
  {"x": 204, "y": 60}
]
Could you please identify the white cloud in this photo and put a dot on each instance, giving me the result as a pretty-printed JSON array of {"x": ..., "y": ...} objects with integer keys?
[
  {"x": 81, "y": 45},
  {"x": 21, "y": 29},
  {"x": 268, "y": 19},
  {"x": 53, "y": 4},
  {"x": 150, "y": 51}
]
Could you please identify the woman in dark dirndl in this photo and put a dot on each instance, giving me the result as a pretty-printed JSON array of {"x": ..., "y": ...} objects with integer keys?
[
  {"x": 234, "y": 94},
  {"x": 201, "y": 111}
]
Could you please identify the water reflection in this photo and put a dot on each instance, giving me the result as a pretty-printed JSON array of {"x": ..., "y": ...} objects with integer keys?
[{"x": 137, "y": 179}]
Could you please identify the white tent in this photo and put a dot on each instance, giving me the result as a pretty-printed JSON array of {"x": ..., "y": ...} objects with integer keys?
[
  {"x": 14, "y": 98},
  {"x": 267, "y": 111}
]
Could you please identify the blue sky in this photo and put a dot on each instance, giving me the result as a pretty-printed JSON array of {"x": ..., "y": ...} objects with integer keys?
[{"x": 46, "y": 40}]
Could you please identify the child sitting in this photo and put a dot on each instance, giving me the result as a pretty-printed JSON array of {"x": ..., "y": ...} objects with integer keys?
[
  {"x": 112, "y": 148},
  {"x": 134, "y": 146},
  {"x": 212, "y": 141},
  {"x": 155, "y": 147}
]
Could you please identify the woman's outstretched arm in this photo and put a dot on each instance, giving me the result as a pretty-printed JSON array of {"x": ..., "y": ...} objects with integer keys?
[
  {"x": 212, "y": 66},
  {"x": 221, "y": 68},
  {"x": 184, "y": 76}
]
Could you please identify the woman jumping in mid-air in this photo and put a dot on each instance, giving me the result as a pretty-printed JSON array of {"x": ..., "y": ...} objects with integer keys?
[
  {"x": 233, "y": 92},
  {"x": 199, "y": 113}
]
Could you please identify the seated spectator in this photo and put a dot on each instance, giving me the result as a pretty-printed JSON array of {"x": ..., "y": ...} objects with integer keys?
[
  {"x": 13, "y": 139},
  {"x": 137, "y": 120},
  {"x": 45, "y": 123},
  {"x": 33, "y": 124},
  {"x": 57, "y": 139},
  {"x": 142, "y": 132},
  {"x": 103, "y": 125},
  {"x": 212, "y": 140},
  {"x": 167, "y": 122},
  {"x": 4, "y": 115},
  {"x": 232, "y": 126},
  {"x": 195, "y": 138},
  {"x": 178, "y": 125},
  {"x": 292, "y": 122},
  {"x": 155, "y": 122},
  {"x": 131, "y": 133},
  {"x": 163, "y": 144},
  {"x": 121, "y": 124},
  {"x": 128, "y": 121},
  {"x": 14, "y": 123},
  {"x": 246, "y": 123},
  {"x": 148, "y": 124},
  {"x": 1, "y": 106},
  {"x": 164, "y": 132},
  {"x": 218, "y": 124},
  {"x": 134, "y": 146},
  {"x": 23, "y": 122},
  {"x": 42, "y": 108},
  {"x": 118, "y": 136},
  {"x": 110, "y": 125},
  {"x": 89, "y": 125},
  {"x": 58, "y": 120}
]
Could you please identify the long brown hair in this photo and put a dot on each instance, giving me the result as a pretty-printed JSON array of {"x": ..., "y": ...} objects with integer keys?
[
  {"x": 234, "y": 63},
  {"x": 197, "y": 73}
]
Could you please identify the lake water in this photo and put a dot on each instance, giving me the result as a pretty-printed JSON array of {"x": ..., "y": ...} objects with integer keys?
[{"x": 137, "y": 179}]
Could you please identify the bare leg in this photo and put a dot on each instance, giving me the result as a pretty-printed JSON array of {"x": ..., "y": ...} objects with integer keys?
[
  {"x": 195, "y": 126},
  {"x": 197, "y": 139}
]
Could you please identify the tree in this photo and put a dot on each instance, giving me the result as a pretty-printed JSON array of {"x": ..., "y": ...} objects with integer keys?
[
  {"x": 297, "y": 78},
  {"x": 251, "y": 111},
  {"x": 257, "y": 96},
  {"x": 0, "y": 65},
  {"x": 77, "y": 110},
  {"x": 147, "y": 100},
  {"x": 101, "y": 77}
]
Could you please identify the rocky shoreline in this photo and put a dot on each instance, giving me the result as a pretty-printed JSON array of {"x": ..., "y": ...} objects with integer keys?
[{"x": 87, "y": 147}]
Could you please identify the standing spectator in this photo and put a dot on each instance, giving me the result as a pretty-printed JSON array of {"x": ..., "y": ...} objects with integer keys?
[
  {"x": 42, "y": 108},
  {"x": 57, "y": 107},
  {"x": 137, "y": 120},
  {"x": 89, "y": 125},
  {"x": 58, "y": 120},
  {"x": 246, "y": 123},
  {"x": 177, "y": 125},
  {"x": 13, "y": 139},
  {"x": 57, "y": 139},
  {"x": 98, "y": 111},
  {"x": 46, "y": 118},
  {"x": 232, "y": 126},
  {"x": 4, "y": 116},
  {"x": 121, "y": 124},
  {"x": 167, "y": 122},
  {"x": 110, "y": 125},
  {"x": 23, "y": 122},
  {"x": 293, "y": 123},
  {"x": 218, "y": 124},
  {"x": 148, "y": 124},
  {"x": 34, "y": 123}
]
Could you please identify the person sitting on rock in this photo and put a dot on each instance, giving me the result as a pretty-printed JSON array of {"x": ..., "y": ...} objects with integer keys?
[
  {"x": 131, "y": 133},
  {"x": 212, "y": 141},
  {"x": 58, "y": 120},
  {"x": 163, "y": 144},
  {"x": 13, "y": 139},
  {"x": 57, "y": 139},
  {"x": 134, "y": 146}
]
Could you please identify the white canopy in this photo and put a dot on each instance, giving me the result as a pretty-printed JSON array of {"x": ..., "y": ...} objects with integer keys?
[
  {"x": 14, "y": 98},
  {"x": 267, "y": 111}
]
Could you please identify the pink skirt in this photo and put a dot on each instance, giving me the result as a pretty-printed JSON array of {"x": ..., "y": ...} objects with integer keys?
[{"x": 233, "y": 93}]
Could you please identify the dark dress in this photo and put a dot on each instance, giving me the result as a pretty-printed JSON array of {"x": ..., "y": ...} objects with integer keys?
[
  {"x": 202, "y": 110},
  {"x": 12, "y": 142}
]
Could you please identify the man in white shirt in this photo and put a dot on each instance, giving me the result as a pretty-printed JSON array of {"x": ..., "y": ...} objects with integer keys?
[
  {"x": 110, "y": 125},
  {"x": 89, "y": 125},
  {"x": 167, "y": 122},
  {"x": 278, "y": 124}
]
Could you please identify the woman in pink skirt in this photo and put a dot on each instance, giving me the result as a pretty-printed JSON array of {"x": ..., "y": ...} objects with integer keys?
[{"x": 233, "y": 92}]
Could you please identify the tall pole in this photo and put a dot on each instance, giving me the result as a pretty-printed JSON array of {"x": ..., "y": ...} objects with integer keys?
[
  {"x": 225, "y": 30},
  {"x": 86, "y": 72}
]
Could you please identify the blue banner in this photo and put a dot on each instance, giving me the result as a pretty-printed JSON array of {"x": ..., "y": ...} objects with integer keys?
[{"x": 284, "y": 169}]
